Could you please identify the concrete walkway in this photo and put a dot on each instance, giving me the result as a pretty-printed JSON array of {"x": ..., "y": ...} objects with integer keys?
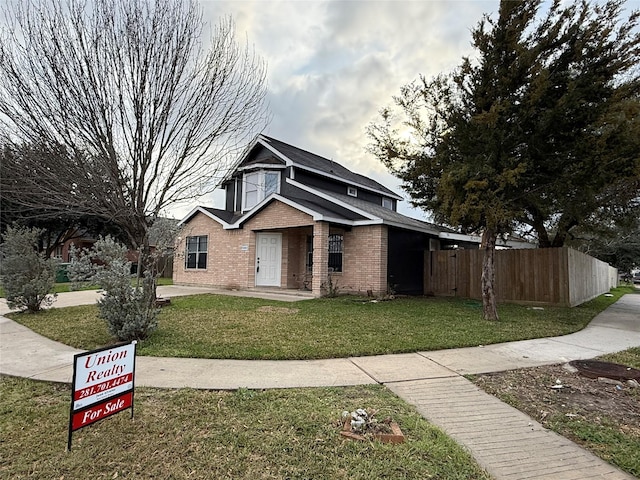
[{"x": 507, "y": 443}]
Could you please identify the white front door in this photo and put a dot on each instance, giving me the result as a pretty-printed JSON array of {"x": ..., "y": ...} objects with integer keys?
[{"x": 268, "y": 259}]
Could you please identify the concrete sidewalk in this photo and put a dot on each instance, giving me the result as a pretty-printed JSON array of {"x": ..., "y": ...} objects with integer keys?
[
  {"x": 504, "y": 441},
  {"x": 507, "y": 443}
]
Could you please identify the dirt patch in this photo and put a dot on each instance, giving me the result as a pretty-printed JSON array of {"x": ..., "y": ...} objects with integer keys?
[
  {"x": 551, "y": 392},
  {"x": 282, "y": 310}
]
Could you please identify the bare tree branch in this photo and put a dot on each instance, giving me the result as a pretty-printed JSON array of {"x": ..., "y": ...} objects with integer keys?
[{"x": 124, "y": 110}]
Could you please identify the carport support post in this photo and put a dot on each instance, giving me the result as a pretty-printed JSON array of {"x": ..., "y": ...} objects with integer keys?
[{"x": 320, "y": 257}]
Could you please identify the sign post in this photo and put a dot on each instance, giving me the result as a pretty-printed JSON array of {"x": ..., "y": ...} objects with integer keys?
[{"x": 103, "y": 384}]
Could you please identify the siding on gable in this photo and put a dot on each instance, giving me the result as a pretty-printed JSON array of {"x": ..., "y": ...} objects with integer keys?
[
  {"x": 336, "y": 187},
  {"x": 230, "y": 195},
  {"x": 262, "y": 155}
]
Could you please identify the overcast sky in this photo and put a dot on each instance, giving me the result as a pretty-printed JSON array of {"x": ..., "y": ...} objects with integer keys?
[{"x": 332, "y": 65}]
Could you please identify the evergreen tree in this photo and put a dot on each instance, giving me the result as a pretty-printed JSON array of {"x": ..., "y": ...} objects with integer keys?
[
  {"x": 28, "y": 276},
  {"x": 130, "y": 312},
  {"x": 536, "y": 131}
]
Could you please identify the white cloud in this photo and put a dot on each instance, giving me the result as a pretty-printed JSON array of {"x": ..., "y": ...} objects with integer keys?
[{"x": 334, "y": 64}]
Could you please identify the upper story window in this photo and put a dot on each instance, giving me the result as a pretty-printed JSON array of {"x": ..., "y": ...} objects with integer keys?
[
  {"x": 387, "y": 203},
  {"x": 352, "y": 191},
  {"x": 258, "y": 186},
  {"x": 196, "y": 254}
]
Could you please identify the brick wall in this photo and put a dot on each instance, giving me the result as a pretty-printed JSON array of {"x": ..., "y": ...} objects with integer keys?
[
  {"x": 278, "y": 215},
  {"x": 320, "y": 256},
  {"x": 297, "y": 276},
  {"x": 364, "y": 262},
  {"x": 227, "y": 259},
  {"x": 231, "y": 253}
]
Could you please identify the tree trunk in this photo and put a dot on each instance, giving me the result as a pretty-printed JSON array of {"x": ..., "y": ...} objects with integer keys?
[
  {"x": 489, "y": 308},
  {"x": 566, "y": 223},
  {"x": 147, "y": 271},
  {"x": 537, "y": 222}
]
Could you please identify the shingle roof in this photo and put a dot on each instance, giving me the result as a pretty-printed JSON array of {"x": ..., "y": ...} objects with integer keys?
[
  {"x": 321, "y": 205},
  {"x": 312, "y": 161},
  {"x": 387, "y": 216},
  {"x": 224, "y": 215}
]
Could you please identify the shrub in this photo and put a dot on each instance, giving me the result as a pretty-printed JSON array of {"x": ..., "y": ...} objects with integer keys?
[
  {"x": 81, "y": 269},
  {"x": 330, "y": 288},
  {"x": 130, "y": 312},
  {"x": 28, "y": 276}
]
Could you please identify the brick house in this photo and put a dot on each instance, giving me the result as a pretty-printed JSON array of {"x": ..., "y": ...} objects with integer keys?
[{"x": 294, "y": 220}]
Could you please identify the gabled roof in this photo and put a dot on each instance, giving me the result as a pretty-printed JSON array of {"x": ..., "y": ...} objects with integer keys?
[
  {"x": 388, "y": 217},
  {"x": 221, "y": 216},
  {"x": 321, "y": 206},
  {"x": 308, "y": 161},
  {"x": 316, "y": 163},
  {"x": 345, "y": 210}
]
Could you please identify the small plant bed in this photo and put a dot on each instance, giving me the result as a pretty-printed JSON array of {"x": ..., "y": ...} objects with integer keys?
[{"x": 362, "y": 425}]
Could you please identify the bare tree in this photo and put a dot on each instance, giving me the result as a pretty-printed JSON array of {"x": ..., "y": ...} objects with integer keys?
[{"x": 116, "y": 108}]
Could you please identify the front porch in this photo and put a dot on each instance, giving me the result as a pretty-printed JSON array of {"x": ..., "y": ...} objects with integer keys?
[{"x": 354, "y": 258}]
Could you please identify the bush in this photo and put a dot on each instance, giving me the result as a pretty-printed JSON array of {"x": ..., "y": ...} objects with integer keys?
[
  {"x": 81, "y": 269},
  {"x": 28, "y": 276},
  {"x": 130, "y": 312}
]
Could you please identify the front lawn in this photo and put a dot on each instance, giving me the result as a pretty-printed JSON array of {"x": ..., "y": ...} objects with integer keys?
[
  {"x": 64, "y": 287},
  {"x": 218, "y": 326},
  {"x": 189, "y": 434}
]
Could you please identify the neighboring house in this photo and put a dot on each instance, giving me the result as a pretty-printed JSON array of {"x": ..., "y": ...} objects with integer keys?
[
  {"x": 82, "y": 239},
  {"x": 294, "y": 220},
  {"x": 76, "y": 237}
]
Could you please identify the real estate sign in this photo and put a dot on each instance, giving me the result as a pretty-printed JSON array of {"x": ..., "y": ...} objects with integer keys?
[{"x": 102, "y": 385}]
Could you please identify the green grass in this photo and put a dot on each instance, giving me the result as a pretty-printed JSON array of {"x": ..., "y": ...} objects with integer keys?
[
  {"x": 630, "y": 357},
  {"x": 605, "y": 439},
  {"x": 60, "y": 288},
  {"x": 189, "y": 434},
  {"x": 274, "y": 434},
  {"x": 218, "y": 326},
  {"x": 66, "y": 286}
]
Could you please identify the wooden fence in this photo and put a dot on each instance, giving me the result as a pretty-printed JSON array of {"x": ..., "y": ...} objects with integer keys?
[{"x": 546, "y": 276}]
